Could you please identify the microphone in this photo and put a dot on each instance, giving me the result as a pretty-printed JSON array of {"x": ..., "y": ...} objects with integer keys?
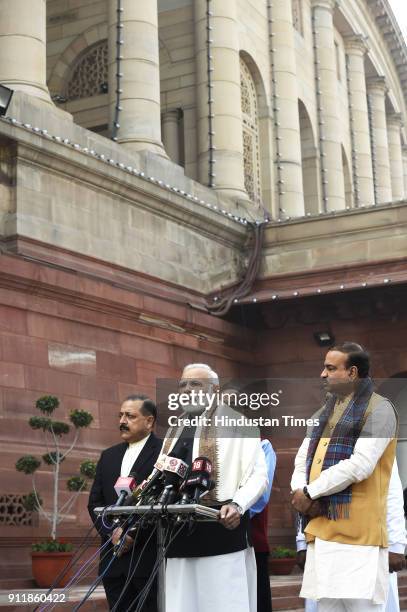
[
  {"x": 199, "y": 481},
  {"x": 124, "y": 486},
  {"x": 147, "y": 485},
  {"x": 175, "y": 470}
]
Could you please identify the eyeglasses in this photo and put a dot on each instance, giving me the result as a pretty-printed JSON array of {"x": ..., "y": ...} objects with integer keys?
[{"x": 183, "y": 384}]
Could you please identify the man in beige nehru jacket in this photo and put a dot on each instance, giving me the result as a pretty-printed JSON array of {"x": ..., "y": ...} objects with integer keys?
[{"x": 340, "y": 486}]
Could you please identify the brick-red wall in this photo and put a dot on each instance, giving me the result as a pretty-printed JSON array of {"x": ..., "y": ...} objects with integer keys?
[
  {"x": 111, "y": 354},
  {"x": 44, "y": 313}
]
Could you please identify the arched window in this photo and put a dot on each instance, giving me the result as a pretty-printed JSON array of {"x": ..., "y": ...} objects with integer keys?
[
  {"x": 251, "y": 153},
  {"x": 89, "y": 77}
]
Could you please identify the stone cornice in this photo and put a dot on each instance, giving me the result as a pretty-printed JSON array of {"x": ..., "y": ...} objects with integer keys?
[
  {"x": 336, "y": 280},
  {"x": 41, "y": 152},
  {"x": 70, "y": 160},
  {"x": 302, "y": 251},
  {"x": 393, "y": 36}
]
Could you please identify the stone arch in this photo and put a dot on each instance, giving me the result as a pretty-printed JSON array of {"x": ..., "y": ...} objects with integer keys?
[
  {"x": 347, "y": 178},
  {"x": 309, "y": 161},
  {"x": 60, "y": 73}
]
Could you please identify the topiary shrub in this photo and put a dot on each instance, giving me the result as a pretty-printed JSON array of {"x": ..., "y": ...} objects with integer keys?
[{"x": 57, "y": 452}]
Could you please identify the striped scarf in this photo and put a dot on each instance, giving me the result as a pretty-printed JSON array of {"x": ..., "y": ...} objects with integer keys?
[{"x": 341, "y": 445}]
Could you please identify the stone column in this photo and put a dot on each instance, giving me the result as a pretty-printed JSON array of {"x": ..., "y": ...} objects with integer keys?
[
  {"x": 286, "y": 115},
  {"x": 171, "y": 135},
  {"x": 356, "y": 49},
  {"x": 227, "y": 135},
  {"x": 140, "y": 115},
  {"x": 376, "y": 90},
  {"x": 328, "y": 113},
  {"x": 394, "y": 124},
  {"x": 405, "y": 170},
  {"x": 23, "y": 47}
]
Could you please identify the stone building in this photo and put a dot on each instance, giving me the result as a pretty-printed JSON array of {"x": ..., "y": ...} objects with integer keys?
[{"x": 142, "y": 142}]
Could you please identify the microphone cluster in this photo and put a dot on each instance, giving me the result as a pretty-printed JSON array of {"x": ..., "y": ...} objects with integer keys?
[{"x": 172, "y": 481}]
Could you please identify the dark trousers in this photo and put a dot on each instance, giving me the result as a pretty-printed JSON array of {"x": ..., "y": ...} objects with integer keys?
[
  {"x": 113, "y": 587},
  {"x": 263, "y": 583}
]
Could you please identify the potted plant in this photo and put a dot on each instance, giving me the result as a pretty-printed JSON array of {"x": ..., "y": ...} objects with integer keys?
[
  {"x": 282, "y": 561},
  {"x": 49, "y": 557}
]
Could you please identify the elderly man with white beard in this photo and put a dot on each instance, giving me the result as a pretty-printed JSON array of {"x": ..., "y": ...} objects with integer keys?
[{"x": 214, "y": 568}]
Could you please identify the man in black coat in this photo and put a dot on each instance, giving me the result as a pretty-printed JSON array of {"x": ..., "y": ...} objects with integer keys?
[{"x": 136, "y": 454}]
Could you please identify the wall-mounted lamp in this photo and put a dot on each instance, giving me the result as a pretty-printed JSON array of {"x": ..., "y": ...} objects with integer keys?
[
  {"x": 324, "y": 338},
  {"x": 5, "y": 98}
]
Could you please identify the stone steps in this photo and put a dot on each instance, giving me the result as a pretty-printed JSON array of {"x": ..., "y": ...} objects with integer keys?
[{"x": 285, "y": 592}]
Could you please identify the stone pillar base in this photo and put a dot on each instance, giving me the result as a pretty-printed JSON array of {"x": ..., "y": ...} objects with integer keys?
[
  {"x": 144, "y": 145},
  {"x": 33, "y": 110}
]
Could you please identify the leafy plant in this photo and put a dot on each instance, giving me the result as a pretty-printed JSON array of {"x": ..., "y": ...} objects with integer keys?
[
  {"x": 32, "y": 502},
  {"x": 47, "y": 403},
  {"x": 81, "y": 418},
  {"x": 76, "y": 483},
  {"x": 88, "y": 469},
  {"x": 53, "y": 457},
  {"x": 51, "y": 546},
  {"x": 53, "y": 432},
  {"x": 28, "y": 464},
  {"x": 282, "y": 553}
]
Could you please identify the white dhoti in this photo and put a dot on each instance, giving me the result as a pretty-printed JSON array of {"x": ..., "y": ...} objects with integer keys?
[
  {"x": 392, "y": 604},
  {"x": 226, "y": 583},
  {"x": 345, "y": 571}
]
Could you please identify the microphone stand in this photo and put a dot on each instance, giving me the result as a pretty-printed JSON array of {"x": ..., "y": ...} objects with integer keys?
[
  {"x": 161, "y": 567},
  {"x": 161, "y": 513}
]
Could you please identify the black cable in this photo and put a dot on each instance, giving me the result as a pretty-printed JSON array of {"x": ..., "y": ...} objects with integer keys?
[
  {"x": 72, "y": 562},
  {"x": 126, "y": 583},
  {"x": 94, "y": 585},
  {"x": 145, "y": 590},
  {"x": 142, "y": 596},
  {"x": 132, "y": 571},
  {"x": 153, "y": 571},
  {"x": 81, "y": 574},
  {"x": 103, "y": 574},
  {"x": 147, "y": 587}
]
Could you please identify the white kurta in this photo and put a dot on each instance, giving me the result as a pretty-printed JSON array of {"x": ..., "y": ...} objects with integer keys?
[{"x": 332, "y": 569}]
